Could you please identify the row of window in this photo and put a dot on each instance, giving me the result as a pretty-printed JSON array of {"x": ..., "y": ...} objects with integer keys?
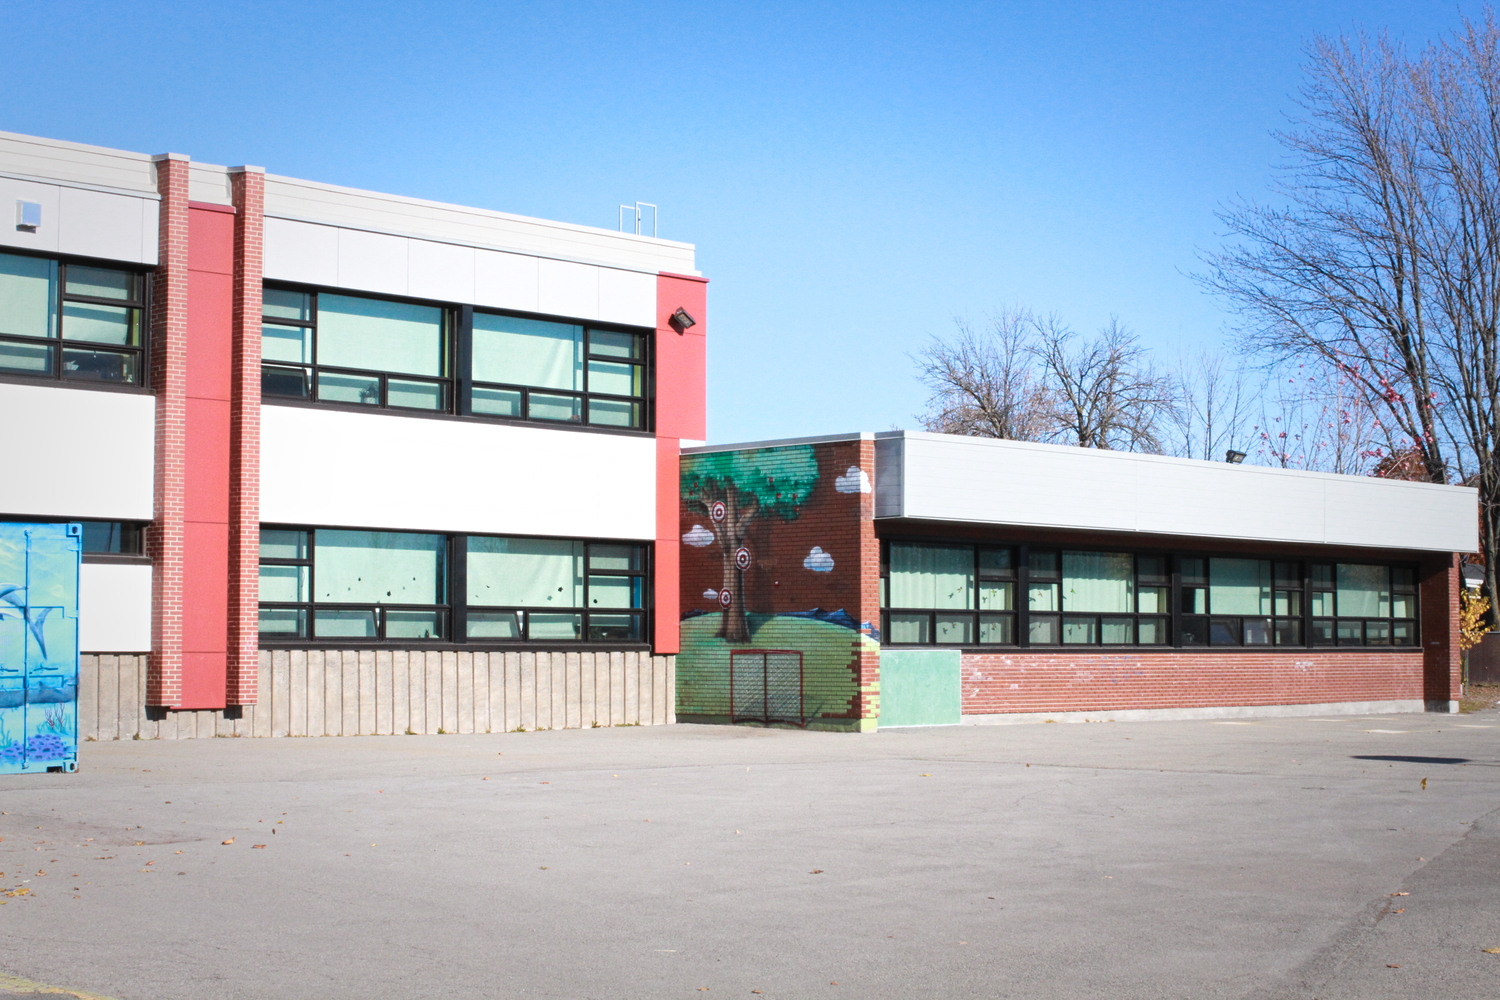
[
  {"x": 337, "y": 584},
  {"x": 70, "y": 321},
  {"x": 983, "y": 595},
  {"x": 106, "y": 538}
]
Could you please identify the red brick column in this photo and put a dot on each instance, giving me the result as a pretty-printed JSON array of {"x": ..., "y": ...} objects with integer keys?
[
  {"x": 1442, "y": 673},
  {"x": 867, "y": 709},
  {"x": 244, "y": 467},
  {"x": 168, "y": 368}
]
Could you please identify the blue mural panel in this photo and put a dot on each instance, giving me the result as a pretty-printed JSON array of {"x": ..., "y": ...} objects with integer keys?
[{"x": 39, "y": 646}]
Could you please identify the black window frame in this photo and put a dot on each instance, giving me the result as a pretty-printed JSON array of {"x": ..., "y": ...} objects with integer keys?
[
  {"x": 454, "y": 613},
  {"x": 312, "y": 371},
  {"x": 61, "y": 343},
  {"x": 1290, "y": 625},
  {"x": 127, "y": 538}
]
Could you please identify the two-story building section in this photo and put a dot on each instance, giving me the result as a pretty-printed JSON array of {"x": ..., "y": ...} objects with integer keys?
[{"x": 347, "y": 462}]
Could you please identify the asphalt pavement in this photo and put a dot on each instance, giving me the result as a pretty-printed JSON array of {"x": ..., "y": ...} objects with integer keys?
[{"x": 1289, "y": 858}]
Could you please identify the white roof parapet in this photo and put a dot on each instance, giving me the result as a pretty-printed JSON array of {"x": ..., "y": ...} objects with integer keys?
[
  {"x": 779, "y": 443},
  {"x": 946, "y": 477}
]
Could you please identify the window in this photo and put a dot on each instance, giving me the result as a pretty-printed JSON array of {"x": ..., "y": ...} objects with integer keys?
[
  {"x": 355, "y": 350},
  {"x": 71, "y": 321},
  {"x": 106, "y": 538},
  {"x": 541, "y": 590},
  {"x": 341, "y": 585},
  {"x": 967, "y": 595},
  {"x": 531, "y": 369}
]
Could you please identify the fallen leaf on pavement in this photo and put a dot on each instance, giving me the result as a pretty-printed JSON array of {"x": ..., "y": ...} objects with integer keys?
[
  {"x": 816, "y": 871},
  {"x": 1389, "y": 966},
  {"x": 1491, "y": 951},
  {"x": 258, "y": 847},
  {"x": 1400, "y": 894},
  {"x": 229, "y": 841},
  {"x": 140, "y": 843},
  {"x": 1402, "y": 910}
]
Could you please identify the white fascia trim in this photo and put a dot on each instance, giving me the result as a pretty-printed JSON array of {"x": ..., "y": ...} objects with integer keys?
[
  {"x": 81, "y": 186},
  {"x": 1403, "y": 706},
  {"x": 780, "y": 443}
]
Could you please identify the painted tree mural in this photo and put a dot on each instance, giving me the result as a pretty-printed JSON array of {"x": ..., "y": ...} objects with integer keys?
[{"x": 733, "y": 488}]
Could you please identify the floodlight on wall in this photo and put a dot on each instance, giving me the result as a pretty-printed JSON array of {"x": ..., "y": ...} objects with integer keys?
[
  {"x": 683, "y": 320},
  {"x": 1234, "y": 457},
  {"x": 28, "y": 216}
]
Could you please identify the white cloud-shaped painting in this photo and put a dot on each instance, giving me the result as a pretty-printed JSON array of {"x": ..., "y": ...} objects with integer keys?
[
  {"x": 854, "y": 480},
  {"x": 710, "y": 595},
  {"x": 698, "y": 537},
  {"x": 818, "y": 561}
]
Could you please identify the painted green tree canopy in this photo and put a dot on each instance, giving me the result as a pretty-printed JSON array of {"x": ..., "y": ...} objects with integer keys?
[{"x": 768, "y": 480}]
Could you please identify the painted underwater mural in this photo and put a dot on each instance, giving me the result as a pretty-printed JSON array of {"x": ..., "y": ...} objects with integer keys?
[
  {"x": 776, "y": 627},
  {"x": 39, "y": 646}
]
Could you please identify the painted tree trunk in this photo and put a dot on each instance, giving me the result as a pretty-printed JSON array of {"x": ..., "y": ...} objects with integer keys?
[{"x": 734, "y": 627}]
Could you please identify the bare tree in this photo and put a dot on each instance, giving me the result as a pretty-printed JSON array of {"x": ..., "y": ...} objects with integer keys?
[
  {"x": 985, "y": 384},
  {"x": 1381, "y": 264},
  {"x": 1211, "y": 409},
  {"x": 1108, "y": 392},
  {"x": 1309, "y": 421}
]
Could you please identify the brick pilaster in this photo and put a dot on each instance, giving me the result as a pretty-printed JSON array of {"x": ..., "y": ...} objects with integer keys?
[
  {"x": 244, "y": 468},
  {"x": 1442, "y": 672},
  {"x": 868, "y": 706},
  {"x": 169, "y": 329}
]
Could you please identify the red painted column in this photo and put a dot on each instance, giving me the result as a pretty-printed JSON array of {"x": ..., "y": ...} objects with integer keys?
[
  {"x": 168, "y": 369},
  {"x": 210, "y": 365},
  {"x": 1442, "y": 664},
  {"x": 243, "y": 668},
  {"x": 681, "y": 413}
]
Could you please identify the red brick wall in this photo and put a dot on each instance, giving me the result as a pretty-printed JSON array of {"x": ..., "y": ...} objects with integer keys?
[
  {"x": 1079, "y": 682},
  {"x": 244, "y": 472},
  {"x": 1443, "y": 668}
]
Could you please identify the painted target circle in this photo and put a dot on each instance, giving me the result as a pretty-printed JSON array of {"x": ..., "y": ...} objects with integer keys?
[
  {"x": 742, "y": 558},
  {"x": 716, "y": 510},
  {"x": 726, "y": 598}
]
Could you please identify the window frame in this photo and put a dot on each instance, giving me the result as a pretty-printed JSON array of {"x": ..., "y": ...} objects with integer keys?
[
  {"x": 142, "y": 306},
  {"x": 1175, "y": 620},
  {"x": 455, "y": 612}
]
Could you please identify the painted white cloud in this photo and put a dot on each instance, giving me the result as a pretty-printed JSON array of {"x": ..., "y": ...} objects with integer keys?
[
  {"x": 711, "y": 595},
  {"x": 854, "y": 480},
  {"x": 818, "y": 561},
  {"x": 698, "y": 537}
]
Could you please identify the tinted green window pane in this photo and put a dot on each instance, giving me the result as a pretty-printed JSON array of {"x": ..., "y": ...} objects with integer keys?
[
  {"x": 104, "y": 536},
  {"x": 626, "y": 558},
  {"x": 1079, "y": 630},
  {"x": 1289, "y": 633},
  {"x": 25, "y": 358},
  {"x": 497, "y": 402},
  {"x": 380, "y": 336},
  {"x": 614, "y": 413},
  {"x": 614, "y": 627},
  {"x": 1152, "y": 600},
  {"x": 1350, "y": 633},
  {"x": 1320, "y": 575},
  {"x": 100, "y": 366},
  {"x": 284, "y": 623},
  {"x": 1288, "y": 602},
  {"x": 955, "y": 630},
  {"x": 1377, "y": 633},
  {"x": 615, "y": 345},
  {"x": 910, "y": 628},
  {"x": 286, "y": 343},
  {"x": 1403, "y": 606},
  {"x": 283, "y": 584},
  {"x": 1098, "y": 581},
  {"x": 997, "y": 629},
  {"x": 282, "y": 304},
  {"x": 525, "y": 572},
  {"x": 932, "y": 576},
  {"x": 1288, "y": 574},
  {"x": 103, "y": 283},
  {"x": 28, "y": 289},
  {"x": 1152, "y": 631},
  {"x": 290, "y": 382},
  {"x": 1363, "y": 591},
  {"x": 996, "y": 562},
  {"x": 1044, "y": 629},
  {"x": 1117, "y": 631},
  {"x": 362, "y": 389},
  {"x": 1239, "y": 586},
  {"x": 278, "y": 544},
  {"x": 415, "y": 395},
  {"x": 1322, "y": 632},
  {"x": 1321, "y": 603},
  {"x": 614, "y": 591},
  {"x": 1257, "y": 631},
  {"x": 1223, "y": 631},
  {"x": 1151, "y": 569},
  {"x": 494, "y": 624},
  {"x": 1403, "y": 634},
  {"x": 548, "y": 407},
  {"x": 332, "y": 624},
  {"x": 996, "y": 595},
  {"x": 614, "y": 379},
  {"x": 1402, "y": 577},
  {"x": 528, "y": 352},
  {"x": 101, "y": 324},
  {"x": 414, "y": 624},
  {"x": 1195, "y": 600},
  {"x": 1193, "y": 571},
  {"x": 541, "y": 625},
  {"x": 380, "y": 567},
  {"x": 1042, "y": 563},
  {"x": 1042, "y": 597}
]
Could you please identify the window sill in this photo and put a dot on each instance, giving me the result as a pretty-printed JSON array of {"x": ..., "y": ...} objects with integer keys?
[
  {"x": 116, "y": 559},
  {"x": 74, "y": 383}
]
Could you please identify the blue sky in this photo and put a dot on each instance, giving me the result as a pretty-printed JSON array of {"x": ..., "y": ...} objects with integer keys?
[{"x": 854, "y": 175}]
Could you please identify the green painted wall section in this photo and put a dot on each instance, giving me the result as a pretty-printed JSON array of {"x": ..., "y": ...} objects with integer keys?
[{"x": 919, "y": 687}]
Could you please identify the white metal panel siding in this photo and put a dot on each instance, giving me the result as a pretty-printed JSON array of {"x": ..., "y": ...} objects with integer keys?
[
  {"x": 299, "y": 251},
  {"x": 71, "y": 161},
  {"x": 334, "y": 467},
  {"x": 309, "y": 201},
  {"x": 441, "y": 271},
  {"x": 77, "y": 453},
  {"x": 373, "y": 262},
  {"x": 114, "y": 608},
  {"x": 112, "y": 226},
  {"x": 627, "y": 297},
  {"x": 506, "y": 280},
  {"x": 46, "y": 195},
  {"x": 945, "y": 477},
  {"x": 567, "y": 289}
]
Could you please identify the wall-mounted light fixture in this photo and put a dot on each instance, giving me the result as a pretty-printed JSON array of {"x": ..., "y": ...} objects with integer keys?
[
  {"x": 1234, "y": 457},
  {"x": 683, "y": 320},
  {"x": 28, "y": 216}
]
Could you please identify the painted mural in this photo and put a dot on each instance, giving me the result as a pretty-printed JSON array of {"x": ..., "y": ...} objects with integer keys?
[
  {"x": 39, "y": 646},
  {"x": 775, "y": 627}
]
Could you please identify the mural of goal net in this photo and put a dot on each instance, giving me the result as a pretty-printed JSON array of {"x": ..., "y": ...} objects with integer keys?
[{"x": 766, "y": 687}]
